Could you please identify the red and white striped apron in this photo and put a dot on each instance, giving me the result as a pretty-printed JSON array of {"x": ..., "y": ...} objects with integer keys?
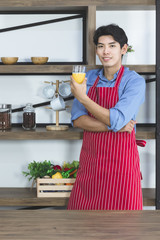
[{"x": 109, "y": 175}]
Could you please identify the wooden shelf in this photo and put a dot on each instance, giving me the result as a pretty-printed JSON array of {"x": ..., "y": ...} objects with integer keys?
[
  {"x": 40, "y": 133},
  {"x": 149, "y": 196},
  {"x": 24, "y": 69},
  {"x": 27, "y": 197},
  {"x": 145, "y": 133},
  {"x": 52, "y": 4}
]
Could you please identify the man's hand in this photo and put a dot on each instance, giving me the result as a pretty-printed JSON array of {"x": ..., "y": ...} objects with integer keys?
[
  {"x": 128, "y": 127},
  {"x": 78, "y": 90}
]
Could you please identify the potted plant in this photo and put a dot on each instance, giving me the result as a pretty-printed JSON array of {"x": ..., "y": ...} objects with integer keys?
[
  {"x": 125, "y": 56},
  {"x": 130, "y": 49}
]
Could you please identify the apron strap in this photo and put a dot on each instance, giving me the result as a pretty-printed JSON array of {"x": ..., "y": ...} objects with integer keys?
[
  {"x": 141, "y": 143},
  {"x": 119, "y": 76},
  {"x": 96, "y": 82}
]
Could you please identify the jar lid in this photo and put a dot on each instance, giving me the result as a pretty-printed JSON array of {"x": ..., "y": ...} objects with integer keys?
[
  {"x": 4, "y": 106},
  {"x": 29, "y": 107}
]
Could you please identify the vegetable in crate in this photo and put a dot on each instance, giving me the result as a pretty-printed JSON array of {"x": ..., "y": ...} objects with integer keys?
[
  {"x": 57, "y": 167},
  {"x": 74, "y": 164},
  {"x": 39, "y": 169},
  {"x": 66, "y": 169},
  {"x": 57, "y": 175},
  {"x": 75, "y": 175},
  {"x": 69, "y": 173}
]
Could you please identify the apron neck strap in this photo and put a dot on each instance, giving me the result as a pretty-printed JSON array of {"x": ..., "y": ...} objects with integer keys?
[
  {"x": 96, "y": 82},
  {"x": 119, "y": 76}
]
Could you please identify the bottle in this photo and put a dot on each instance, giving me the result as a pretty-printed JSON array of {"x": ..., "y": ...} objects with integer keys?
[
  {"x": 5, "y": 116},
  {"x": 29, "y": 117}
]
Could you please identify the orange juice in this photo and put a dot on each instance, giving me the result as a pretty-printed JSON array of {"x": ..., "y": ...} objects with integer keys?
[{"x": 78, "y": 77}]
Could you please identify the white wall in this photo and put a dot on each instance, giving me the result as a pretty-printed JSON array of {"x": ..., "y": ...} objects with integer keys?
[
  {"x": 140, "y": 29},
  {"x": 16, "y": 155},
  {"x": 62, "y": 42}
]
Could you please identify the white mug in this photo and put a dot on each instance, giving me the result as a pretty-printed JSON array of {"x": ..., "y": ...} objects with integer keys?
[
  {"x": 57, "y": 103},
  {"x": 64, "y": 90},
  {"x": 49, "y": 91}
]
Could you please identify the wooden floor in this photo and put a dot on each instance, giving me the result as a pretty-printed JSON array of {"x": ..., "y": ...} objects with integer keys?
[{"x": 87, "y": 225}]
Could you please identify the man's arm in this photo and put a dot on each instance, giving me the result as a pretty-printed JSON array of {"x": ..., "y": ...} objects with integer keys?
[
  {"x": 100, "y": 113},
  {"x": 125, "y": 109},
  {"x": 93, "y": 125},
  {"x": 90, "y": 124}
]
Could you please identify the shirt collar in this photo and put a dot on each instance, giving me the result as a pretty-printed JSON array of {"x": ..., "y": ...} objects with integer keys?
[{"x": 103, "y": 78}]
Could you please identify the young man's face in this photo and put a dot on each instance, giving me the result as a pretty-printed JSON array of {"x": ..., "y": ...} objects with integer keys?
[{"x": 109, "y": 51}]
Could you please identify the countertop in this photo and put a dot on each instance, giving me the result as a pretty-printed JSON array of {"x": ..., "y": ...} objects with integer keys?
[{"x": 87, "y": 225}]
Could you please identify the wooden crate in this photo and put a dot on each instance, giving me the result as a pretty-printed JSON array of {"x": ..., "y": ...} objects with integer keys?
[{"x": 54, "y": 187}]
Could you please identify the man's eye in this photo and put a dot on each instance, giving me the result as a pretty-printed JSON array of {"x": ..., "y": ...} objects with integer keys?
[
  {"x": 100, "y": 46},
  {"x": 112, "y": 46}
]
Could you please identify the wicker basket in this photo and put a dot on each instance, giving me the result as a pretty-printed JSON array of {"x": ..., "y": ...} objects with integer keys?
[
  {"x": 39, "y": 60},
  {"x": 54, "y": 187},
  {"x": 9, "y": 60}
]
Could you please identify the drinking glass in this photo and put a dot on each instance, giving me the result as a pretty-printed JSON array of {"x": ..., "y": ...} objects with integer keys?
[{"x": 79, "y": 73}]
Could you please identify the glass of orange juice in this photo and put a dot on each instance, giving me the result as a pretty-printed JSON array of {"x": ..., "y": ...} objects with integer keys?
[{"x": 79, "y": 73}]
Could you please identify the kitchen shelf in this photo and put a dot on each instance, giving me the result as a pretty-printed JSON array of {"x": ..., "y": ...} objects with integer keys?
[
  {"x": 27, "y": 197},
  {"x": 24, "y": 69},
  {"x": 40, "y": 133},
  {"x": 54, "y": 4}
]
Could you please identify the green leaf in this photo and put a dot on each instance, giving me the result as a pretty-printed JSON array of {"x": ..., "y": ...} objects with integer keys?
[{"x": 38, "y": 169}]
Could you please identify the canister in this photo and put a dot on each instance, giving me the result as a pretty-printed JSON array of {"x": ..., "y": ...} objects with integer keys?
[
  {"x": 5, "y": 116},
  {"x": 29, "y": 117}
]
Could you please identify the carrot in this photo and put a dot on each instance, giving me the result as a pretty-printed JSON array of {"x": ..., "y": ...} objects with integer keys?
[{"x": 73, "y": 172}]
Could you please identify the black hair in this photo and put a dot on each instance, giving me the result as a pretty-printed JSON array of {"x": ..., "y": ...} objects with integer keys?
[{"x": 114, "y": 30}]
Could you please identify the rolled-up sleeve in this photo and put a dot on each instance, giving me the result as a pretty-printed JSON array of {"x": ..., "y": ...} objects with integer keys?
[
  {"x": 129, "y": 102},
  {"x": 77, "y": 110}
]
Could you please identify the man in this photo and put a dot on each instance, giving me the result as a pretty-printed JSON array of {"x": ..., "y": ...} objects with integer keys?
[{"x": 105, "y": 106}]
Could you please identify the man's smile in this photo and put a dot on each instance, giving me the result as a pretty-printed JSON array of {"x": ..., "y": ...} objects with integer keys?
[{"x": 106, "y": 58}]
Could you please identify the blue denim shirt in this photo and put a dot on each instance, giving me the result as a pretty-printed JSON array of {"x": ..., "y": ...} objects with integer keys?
[{"x": 131, "y": 96}]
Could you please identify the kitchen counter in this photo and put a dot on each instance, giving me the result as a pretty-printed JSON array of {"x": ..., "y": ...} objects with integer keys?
[{"x": 68, "y": 225}]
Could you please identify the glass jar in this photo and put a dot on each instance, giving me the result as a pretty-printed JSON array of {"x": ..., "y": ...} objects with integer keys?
[
  {"x": 5, "y": 116},
  {"x": 29, "y": 117}
]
